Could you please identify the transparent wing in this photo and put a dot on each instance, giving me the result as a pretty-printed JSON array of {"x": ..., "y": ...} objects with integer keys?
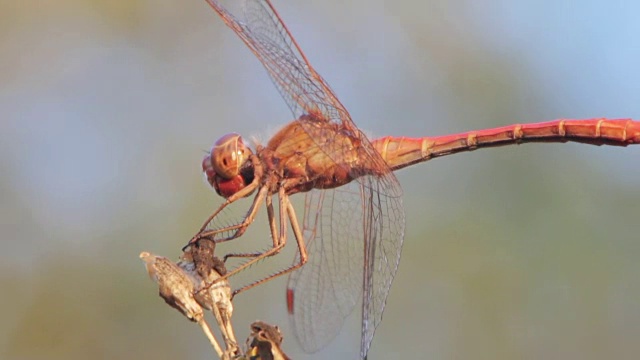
[
  {"x": 328, "y": 287},
  {"x": 383, "y": 220},
  {"x": 354, "y": 238},
  {"x": 302, "y": 88}
]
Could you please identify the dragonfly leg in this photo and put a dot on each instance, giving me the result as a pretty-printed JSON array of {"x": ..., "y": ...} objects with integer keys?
[
  {"x": 279, "y": 244},
  {"x": 240, "y": 228},
  {"x": 302, "y": 248},
  {"x": 272, "y": 226}
]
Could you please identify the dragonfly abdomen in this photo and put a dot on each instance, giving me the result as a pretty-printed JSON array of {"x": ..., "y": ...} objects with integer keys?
[{"x": 400, "y": 152}]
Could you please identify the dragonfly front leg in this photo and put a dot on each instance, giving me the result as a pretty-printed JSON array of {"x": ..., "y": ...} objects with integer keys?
[
  {"x": 272, "y": 226},
  {"x": 240, "y": 228}
]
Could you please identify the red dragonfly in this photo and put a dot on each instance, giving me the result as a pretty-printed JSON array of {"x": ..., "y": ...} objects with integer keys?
[{"x": 351, "y": 236}]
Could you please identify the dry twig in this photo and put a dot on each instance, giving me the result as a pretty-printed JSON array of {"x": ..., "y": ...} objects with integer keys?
[{"x": 182, "y": 285}]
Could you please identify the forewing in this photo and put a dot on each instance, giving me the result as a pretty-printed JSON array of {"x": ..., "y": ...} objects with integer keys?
[{"x": 302, "y": 88}]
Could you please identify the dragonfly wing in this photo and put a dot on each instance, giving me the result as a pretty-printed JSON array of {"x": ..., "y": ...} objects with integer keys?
[
  {"x": 302, "y": 88},
  {"x": 325, "y": 291},
  {"x": 354, "y": 237},
  {"x": 383, "y": 227}
]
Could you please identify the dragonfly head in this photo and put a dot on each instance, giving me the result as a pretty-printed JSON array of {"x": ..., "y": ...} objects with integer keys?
[{"x": 226, "y": 167}]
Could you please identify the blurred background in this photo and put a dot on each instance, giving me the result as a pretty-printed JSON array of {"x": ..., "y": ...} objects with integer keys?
[{"x": 107, "y": 108}]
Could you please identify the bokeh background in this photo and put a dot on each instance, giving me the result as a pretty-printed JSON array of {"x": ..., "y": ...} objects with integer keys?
[{"x": 107, "y": 107}]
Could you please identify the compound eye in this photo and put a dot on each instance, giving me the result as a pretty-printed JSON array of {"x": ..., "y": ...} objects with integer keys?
[
  {"x": 228, "y": 155},
  {"x": 207, "y": 169}
]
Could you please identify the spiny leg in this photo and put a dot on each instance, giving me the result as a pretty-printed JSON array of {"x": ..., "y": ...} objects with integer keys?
[
  {"x": 302, "y": 248},
  {"x": 272, "y": 226},
  {"x": 274, "y": 250},
  {"x": 240, "y": 228},
  {"x": 239, "y": 195}
]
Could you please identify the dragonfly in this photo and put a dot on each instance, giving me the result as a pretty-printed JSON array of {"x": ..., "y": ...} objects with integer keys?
[{"x": 350, "y": 239}]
